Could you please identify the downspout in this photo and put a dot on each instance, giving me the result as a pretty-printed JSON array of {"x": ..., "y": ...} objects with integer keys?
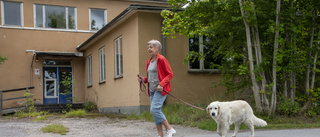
[
  {"x": 163, "y": 42},
  {"x": 31, "y": 68}
]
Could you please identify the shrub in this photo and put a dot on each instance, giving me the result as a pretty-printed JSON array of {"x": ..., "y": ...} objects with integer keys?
[
  {"x": 288, "y": 108},
  {"x": 90, "y": 106}
]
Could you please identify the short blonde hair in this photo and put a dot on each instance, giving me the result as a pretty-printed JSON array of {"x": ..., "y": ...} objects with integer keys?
[{"x": 155, "y": 43}]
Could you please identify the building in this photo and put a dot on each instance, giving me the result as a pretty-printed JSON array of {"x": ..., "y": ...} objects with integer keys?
[{"x": 102, "y": 43}]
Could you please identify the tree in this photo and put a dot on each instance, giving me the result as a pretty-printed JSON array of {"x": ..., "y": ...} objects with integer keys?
[{"x": 271, "y": 44}]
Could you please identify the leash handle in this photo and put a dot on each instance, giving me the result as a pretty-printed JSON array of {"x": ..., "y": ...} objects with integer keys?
[
  {"x": 183, "y": 101},
  {"x": 142, "y": 86}
]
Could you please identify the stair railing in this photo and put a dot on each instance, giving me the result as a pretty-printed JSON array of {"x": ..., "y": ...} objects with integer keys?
[{"x": 12, "y": 90}]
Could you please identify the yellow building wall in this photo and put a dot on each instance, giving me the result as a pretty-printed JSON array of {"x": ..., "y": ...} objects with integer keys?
[
  {"x": 14, "y": 41},
  {"x": 120, "y": 92}
]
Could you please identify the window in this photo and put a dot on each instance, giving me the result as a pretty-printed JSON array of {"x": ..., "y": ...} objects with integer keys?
[
  {"x": 90, "y": 70},
  {"x": 55, "y": 17},
  {"x": 118, "y": 57},
  {"x": 97, "y": 18},
  {"x": 102, "y": 65},
  {"x": 210, "y": 62},
  {"x": 12, "y": 13}
]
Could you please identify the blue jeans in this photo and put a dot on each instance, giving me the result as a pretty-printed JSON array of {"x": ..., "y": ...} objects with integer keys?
[{"x": 157, "y": 100}]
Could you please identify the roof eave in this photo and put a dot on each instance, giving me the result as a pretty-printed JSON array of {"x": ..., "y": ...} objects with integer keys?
[{"x": 116, "y": 20}]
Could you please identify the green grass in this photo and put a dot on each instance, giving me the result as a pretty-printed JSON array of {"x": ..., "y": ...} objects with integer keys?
[
  {"x": 188, "y": 116},
  {"x": 76, "y": 113},
  {"x": 56, "y": 129}
]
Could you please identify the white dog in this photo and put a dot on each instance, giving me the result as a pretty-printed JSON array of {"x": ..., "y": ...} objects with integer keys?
[{"x": 237, "y": 112}]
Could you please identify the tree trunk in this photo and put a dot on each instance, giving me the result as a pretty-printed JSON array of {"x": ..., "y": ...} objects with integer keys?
[
  {"x": 305, "y": 107},
  {"x": 255, "y": 30},
  {"x": 274, "y": 66},
  {"x": 309, "y": 57},
  {"x": 293, "y": 73},
  {"x": 255, "y": 87},
  {"x": 285, "y": 85}
]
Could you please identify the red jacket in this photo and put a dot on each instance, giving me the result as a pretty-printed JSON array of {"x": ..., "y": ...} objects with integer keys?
[{"x": 164, "y": 73}]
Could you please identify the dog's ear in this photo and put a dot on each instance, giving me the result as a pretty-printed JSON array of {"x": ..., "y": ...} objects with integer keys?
[
  {"x": 219, "y": 109},
  {"x": 208, "y": 111}
]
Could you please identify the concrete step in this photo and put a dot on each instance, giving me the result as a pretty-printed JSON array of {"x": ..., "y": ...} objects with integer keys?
[{"x": 57, "y": 108}]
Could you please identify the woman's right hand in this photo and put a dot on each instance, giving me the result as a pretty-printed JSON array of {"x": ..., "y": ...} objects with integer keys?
[{"x": 140, "y": 79}]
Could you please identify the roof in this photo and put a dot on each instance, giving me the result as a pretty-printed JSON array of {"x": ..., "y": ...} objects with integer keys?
[
  {"x": 121, "y": 17},
  {"x": 66, "y": 54}
]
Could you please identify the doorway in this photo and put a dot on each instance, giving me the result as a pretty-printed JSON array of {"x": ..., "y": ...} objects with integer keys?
[{"x": 54, "y": 91}]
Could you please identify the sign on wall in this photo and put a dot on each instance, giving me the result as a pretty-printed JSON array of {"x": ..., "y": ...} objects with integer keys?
[{"x": 37, "y": 71}]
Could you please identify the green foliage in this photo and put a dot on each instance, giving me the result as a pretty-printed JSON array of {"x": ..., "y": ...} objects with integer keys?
[
  {"x": 2, "y": 59},
  {"x": 28, "y": 114},
  {"x": 40, "y": 118},
  {"x": 30, "y": 103},
  {"x": 223, "y": 23},
  {"x": 68, "y": 82},
  {"x": 55, "y": 129},
  {"x": 90, "y": 106},
  {"x": 288, "y": 108},
  {"x": 76, "y": 113}
]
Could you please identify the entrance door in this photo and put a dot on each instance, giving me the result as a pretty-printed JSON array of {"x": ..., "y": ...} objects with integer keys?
[{"x": 54, "y": 92}]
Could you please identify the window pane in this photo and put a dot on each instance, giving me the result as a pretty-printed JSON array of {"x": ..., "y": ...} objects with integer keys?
[
  {"x": 89, "y": 70},
  {"x": 56, "y": 62},
  {"x": 102, "y": 64},
  {"x": 194, "y": 46},
  {"x": 50, "y": 87},
  {"x": 71, "y": 18},
  {"x": 50, "y": 73},
  {"x": 55, "y": 17},
  {"x": 97, "y": 19},
  {"x": 213, "y": 58},
  {"x": 39, "y": 16},
  {"x": 12, "y": 13},
  {"x": 118, "y": 54}
]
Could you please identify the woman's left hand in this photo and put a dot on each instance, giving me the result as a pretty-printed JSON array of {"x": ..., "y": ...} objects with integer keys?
[{"x": 159, "y": 88}]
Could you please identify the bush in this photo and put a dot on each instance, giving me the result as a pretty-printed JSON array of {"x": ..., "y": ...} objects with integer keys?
[
  {"x": 90, "y": 106},
  {"x": 288, "y": 108}
]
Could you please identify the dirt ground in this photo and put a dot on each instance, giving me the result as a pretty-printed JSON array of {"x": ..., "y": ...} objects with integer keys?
[{"x": 89, "y": 127}]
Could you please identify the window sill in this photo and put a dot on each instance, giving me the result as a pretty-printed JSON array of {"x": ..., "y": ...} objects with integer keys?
[
  {"x": 210, "y": 71},
  {"x": 89, "y": 86},
  {"x": 102, "y": 82},
  {"x": 119, "y": 77}
]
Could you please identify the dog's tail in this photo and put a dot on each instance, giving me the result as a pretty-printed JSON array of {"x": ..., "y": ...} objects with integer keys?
[{"x": 258, "y": 122}]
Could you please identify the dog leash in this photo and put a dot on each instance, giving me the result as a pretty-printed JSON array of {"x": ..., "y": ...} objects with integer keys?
[
  {"x": 143, "y": 89},
  {"x": 142, "y": 86},
  {"x": 183, "y": 101}
]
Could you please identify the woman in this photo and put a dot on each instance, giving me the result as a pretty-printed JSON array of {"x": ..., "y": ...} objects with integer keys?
[{"x": 159, "y": 74}]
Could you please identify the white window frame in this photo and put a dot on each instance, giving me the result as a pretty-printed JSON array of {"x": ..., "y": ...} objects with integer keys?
[
  {"x": 3, "y": 14},
  {"x": 102, "y": 65},
  {"x": 118, "y": 64},
  {"x": 55, "y": 88},
  {"x": 44, "y": 17},
  {"x": 105, "y": 17},
  {"x": 201, "y": 62},
  {"x": 89, "y": 59}
]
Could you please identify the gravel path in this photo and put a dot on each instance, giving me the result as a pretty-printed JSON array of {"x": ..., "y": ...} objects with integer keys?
[{"x": 89, "y": 127}]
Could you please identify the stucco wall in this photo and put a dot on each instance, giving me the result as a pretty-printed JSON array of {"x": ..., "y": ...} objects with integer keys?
[
  {"x": 119, "y": 92},
  {"x": 14, "y": 41}
]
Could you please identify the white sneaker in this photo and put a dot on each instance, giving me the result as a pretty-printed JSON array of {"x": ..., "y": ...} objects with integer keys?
[{"x": 171, "y": 132}]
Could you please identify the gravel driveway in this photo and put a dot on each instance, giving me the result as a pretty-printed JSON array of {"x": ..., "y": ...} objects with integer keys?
[{"x": 89, "y": 127}]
